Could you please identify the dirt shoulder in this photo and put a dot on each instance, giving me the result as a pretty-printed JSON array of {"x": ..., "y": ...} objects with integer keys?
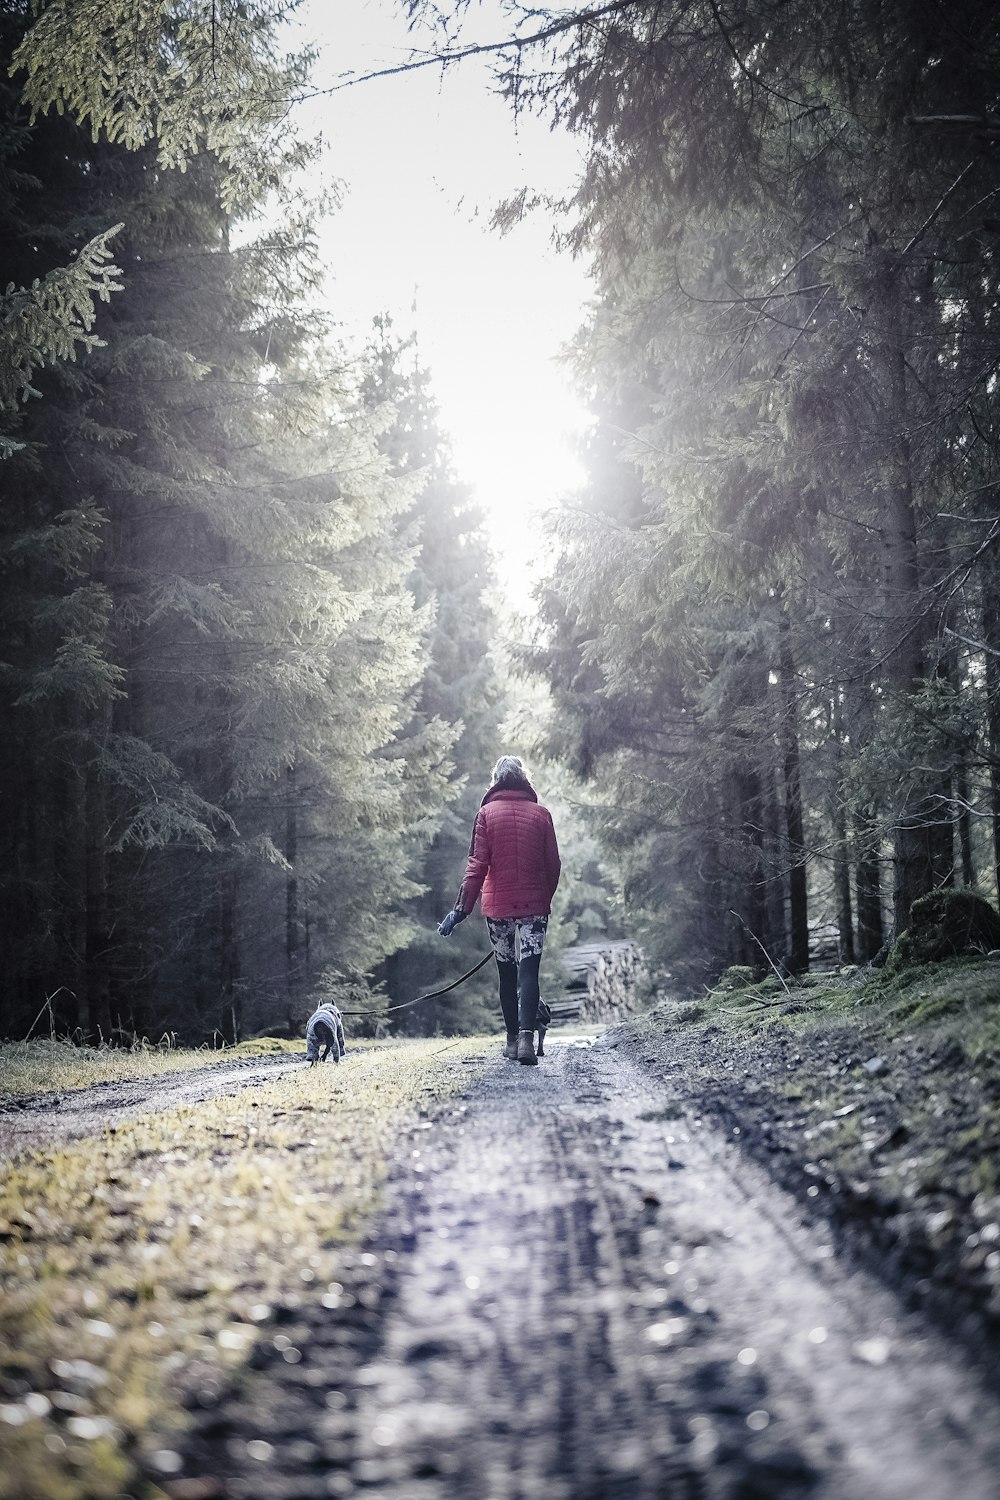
[
  {"x": 877, "y": 1105},
  {"x": 138, "y": 1258},
  {"x": 50, "y": 1065}
]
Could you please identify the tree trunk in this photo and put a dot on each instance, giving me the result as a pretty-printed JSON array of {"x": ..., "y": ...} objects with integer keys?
[
  {"x": 97, "y": 941},
  {"x": 774, "y": 854},
  {"x": 904, "y": 629},
  {"x": 855, "y": 719},
  {"x": 292, "y": 959},
  {"x": 131, "y": 1007},
  {"x": 798, "y": 896},
  {"x": 837, "y": 806},
  {"x": 964, "y": 823},
  {"x": 232, "y": 1001},
  {"x": 67, "y": 795},
  {"x": 753, "y": 905},
  {"x": 842, "y": 885},
  {"x": 991, "y": 660},
  {"x": 868, "y": 889}
]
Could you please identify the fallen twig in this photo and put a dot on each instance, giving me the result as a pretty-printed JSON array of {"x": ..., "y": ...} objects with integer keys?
[{"x": 763, "y": 950}]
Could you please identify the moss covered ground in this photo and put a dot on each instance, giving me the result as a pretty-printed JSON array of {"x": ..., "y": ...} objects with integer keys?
[{"x": 166, "y": 1241}]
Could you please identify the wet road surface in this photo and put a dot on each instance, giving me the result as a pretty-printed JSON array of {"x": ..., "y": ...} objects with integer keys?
[{"x": 578, "y": 1292}]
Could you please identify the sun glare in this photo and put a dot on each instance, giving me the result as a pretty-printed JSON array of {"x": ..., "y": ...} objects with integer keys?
[{"x": 425, "y": 159}]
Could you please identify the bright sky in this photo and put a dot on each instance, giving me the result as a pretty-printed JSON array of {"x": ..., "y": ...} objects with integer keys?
[{"x": 424, "y": 159}]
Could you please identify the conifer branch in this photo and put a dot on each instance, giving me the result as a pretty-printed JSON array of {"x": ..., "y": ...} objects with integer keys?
[
  {"x": 752, "y": 78},
  {"x": 804, "y": 329}
]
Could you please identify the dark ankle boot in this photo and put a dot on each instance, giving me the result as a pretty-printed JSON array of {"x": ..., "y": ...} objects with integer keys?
[
  {"x": 526, "y": 1049},
  {"x": 540, "y": 1049},
  {"x": 510, "y": 1051}
]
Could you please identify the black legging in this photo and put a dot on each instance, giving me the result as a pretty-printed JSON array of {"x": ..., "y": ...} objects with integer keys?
[{"x": 519, "y": 992}]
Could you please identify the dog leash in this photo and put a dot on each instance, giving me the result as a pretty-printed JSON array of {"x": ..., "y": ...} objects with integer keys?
[{"x": 431, "y": 994}]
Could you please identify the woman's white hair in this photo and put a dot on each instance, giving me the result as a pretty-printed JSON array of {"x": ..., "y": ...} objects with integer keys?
[{"x": 509, "y": 765}]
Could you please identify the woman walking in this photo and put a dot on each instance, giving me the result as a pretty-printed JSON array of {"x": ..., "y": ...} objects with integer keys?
[{"x": 514, "y": 863}]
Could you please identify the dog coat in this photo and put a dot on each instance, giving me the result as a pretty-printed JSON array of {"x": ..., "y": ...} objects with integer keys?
[{"x": 325, "y": 1032}]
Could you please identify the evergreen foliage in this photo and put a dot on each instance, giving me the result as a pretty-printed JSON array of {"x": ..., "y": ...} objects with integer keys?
[
  {"x": 52, "y": 314},
  {"x": 211, "y": 649},
  {"x": 50, "y": 319},
  {"x": 771, "y": 627},
  {"x": 184, "y": 77},
  {"x": 461, "y": 686}
]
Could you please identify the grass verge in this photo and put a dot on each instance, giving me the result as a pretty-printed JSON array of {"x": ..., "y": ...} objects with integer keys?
[
  {"x": 48, "y": 1063},
  {"x": 124, "y": 1258},
  {"x": 959, "y": 998}
]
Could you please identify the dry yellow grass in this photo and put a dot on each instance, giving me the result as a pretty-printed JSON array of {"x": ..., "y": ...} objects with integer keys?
[{"x": 169, "y": 1238}]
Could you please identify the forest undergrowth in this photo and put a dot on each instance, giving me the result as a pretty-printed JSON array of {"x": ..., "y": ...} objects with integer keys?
[
  {"x": 168, "y": 1241},
  {"x": 876, "y": 1100}
]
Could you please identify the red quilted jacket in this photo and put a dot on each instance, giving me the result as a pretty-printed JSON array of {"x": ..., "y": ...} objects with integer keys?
[{"x": 514, "y": 859}]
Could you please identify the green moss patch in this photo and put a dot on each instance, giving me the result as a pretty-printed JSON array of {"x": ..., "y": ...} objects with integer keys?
[
  {"x": 123, "y": 1259},
  {"x": 945, "y": 924}
]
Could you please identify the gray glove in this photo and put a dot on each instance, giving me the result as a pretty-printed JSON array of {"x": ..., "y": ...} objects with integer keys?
[{"x": 451, "y": 921}]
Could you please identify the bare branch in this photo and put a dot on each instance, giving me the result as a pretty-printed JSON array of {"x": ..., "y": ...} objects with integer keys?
[
  {"x": 763, "y": 950},
  {"x": 939, "y": 205},
  {"x": 576, "y": 21},
  {"x": 972, "y": 645}
]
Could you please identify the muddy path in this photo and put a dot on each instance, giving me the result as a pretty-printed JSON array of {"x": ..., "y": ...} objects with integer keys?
[
  {"x": 580, "y": 1291},
  {"x": 55, "y": 1116}
]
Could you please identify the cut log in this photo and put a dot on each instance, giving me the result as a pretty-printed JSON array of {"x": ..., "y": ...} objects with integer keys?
[{"x": 601, "y": 982}]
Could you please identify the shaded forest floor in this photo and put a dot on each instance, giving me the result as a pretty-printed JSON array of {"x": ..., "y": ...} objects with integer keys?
[{"x": 877, "y": 1103}]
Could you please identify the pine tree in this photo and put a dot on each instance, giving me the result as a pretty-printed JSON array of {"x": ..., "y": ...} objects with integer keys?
[
  {"x": 183, "y": 78},
  {"x": 775, "y": 214},
  {"x": 460, "y": 686},
  {"x": 212, "y": 649}
]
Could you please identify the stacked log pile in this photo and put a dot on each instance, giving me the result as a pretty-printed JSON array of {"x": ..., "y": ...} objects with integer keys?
[{"x": 602, "y": 982}]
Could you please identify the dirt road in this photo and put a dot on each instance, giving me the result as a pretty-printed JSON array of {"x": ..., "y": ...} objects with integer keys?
[
  {"x": 49, "y": 1118},
  {"x": 578, "y": 1292}
]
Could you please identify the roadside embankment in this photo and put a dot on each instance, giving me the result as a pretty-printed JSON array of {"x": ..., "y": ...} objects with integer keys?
[{"x": 877, "y": 1101}]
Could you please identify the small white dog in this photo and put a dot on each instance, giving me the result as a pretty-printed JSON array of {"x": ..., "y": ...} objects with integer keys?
[{"x": 325, "y": 1034}]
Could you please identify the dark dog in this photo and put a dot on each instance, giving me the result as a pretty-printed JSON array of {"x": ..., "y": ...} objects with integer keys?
[{"x": 325, "y": 1034}]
